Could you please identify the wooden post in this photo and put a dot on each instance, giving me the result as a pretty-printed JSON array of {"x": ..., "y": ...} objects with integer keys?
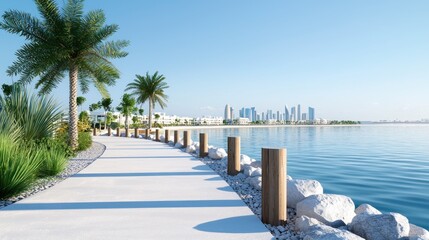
[
  {"x": 94, "y": 132},
  {"x": 147, "y": 133},
  {"x": 176, "y": 136},
  {"x": 126, "y": 132},
  {"x": 118, "y": 132},
  {"x": 166, "y": 135},
  {"x": 274, "y": 188},
  {"x": 136, "y": 132},
  {"x": 186, "y": 138},
  {"x": 234, "y": 166},
  {"x": 109, "y": 131},
  {"x": 157, "y": 135},
  {"x": 204, "y": 146}
]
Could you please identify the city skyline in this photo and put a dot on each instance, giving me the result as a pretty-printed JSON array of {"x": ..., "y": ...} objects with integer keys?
[
  {"x": 269, "y": 115},
  {"x": 363, "y": 60}
]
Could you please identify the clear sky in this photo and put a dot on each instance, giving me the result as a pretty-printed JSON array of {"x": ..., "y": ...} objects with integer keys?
[{"x": 360, "y": 60}]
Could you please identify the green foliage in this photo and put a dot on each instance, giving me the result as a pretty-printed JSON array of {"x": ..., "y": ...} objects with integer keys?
[
  {"x": 36, "y": 116},
  {"x": 343, "y": 122},
  {"x": 127, "y": 107},
  {"x": 109, "y": 118},
  {"x": 141, "y": 111},
  {"x": 53, "y": 156},
  {"x": 149, "y": 88},
  {"x": 84, "y": 140},
  {"x": 7, "y": 89},
  {"x": 64, "y": 40},
  {"x": 114, "y": 125},
  {"x": 18, "y": 167},
  {"x": 80, "y": 100}
]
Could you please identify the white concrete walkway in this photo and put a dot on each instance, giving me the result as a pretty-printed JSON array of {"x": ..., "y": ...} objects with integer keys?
[{"x": 138, "y": 189}]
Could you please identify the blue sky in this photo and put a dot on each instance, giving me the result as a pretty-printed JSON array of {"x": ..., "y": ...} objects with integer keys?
[{"x": 361, "y": 60}]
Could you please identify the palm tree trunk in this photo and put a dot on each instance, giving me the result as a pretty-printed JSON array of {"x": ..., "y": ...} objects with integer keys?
[
  {"x": 105, "y": 120},
  {"x": 150, "y": 113},
  {"x": 73, "y": 132}
]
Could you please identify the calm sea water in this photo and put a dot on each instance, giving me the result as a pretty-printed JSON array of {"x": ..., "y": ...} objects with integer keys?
[{"x": 386, "y": 166}]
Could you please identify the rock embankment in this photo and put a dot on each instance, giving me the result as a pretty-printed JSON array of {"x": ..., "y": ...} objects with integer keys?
[{"x": 312, "y": 214}]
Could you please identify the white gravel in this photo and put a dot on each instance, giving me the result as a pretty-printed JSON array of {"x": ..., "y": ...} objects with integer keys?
[
  {"x": 75, "y": 165},
  {"x": 252, "y": 198}
]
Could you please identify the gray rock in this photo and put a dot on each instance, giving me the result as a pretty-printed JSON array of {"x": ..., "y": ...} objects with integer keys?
[
  {"x": 303, "y": 223},
  {"x": 381, "y": 227},
  {"x": 323, "y": 232},
  {"x": 366, "y": 209},
  {"x": 256, "y": 182},
  {"x": 418, "y": 233},
  {"x": 330, "y": 209},
  {"x": 217, "y": 153},
  {"x": 298, "y": 189}
]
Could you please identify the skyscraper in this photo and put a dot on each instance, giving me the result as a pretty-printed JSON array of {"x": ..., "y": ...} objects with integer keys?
[
  {"x": 293, "y": 114},
  {"x": 298, "y": 114},
  {"x": 311, "y": 116},
  {"x": 304, "y": 117},
  {"x": 227, "y": 115},
  {"x": 287, "y": 114}
]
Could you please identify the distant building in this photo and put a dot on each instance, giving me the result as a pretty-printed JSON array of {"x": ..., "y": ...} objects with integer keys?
[
  {"x": 293, "y": 114},
  {"x": 287, "y": 114},
  {"x": 304, "y": 117},
  {"x": 298, "y": 114},
  {"x": 227, "y": 114},
  {"x": 278, "y": 116},
  {"x": 311, "y": 116}
]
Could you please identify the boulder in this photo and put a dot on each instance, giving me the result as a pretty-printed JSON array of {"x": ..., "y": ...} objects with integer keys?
[
  {"x": 256, "y": 164},
  {"x": 366, "y": 209},
  {"x": 217, "y": 153},
  {"x": 324, "y": 232},
  {"x": 162, "y": 138},
  {"x": 248, "y": 170},
  {"x": 178, "y": 145},
  {"x": 256, "y": 173},
  {"x": 381, "y": 226},
  {"x": 331, "y": 209},
  {"x": 190, "y": 149},
  {"x": 303, "y": 223},
  {"x": 299, "y": 189},
  {"x": 256, "y": 182},
  {"x": 418, "y": 233}
]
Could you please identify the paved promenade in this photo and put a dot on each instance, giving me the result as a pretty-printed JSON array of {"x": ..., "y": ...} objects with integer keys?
[{"x": 138, "y": 189}]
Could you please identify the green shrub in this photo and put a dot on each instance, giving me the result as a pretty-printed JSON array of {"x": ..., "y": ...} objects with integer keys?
[
  {"x": 36, "y": 116},
  {"x": 53, "y": 156},
  {"x": 84, "y": 140},
  {"x": 18, "y": 167}
]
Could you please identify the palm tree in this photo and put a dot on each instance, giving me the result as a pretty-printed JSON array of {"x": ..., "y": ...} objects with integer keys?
[
  {"x": 61, "y": 42},
  {"x": 105, "y": 103},
  {"x": 149, "y": 88},
  {"x": 127, "y": 107},
  {"x": 80, "y": 100}
]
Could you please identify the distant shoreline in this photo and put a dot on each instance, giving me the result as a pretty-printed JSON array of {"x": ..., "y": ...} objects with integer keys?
[{"x": 287, "y": 126}]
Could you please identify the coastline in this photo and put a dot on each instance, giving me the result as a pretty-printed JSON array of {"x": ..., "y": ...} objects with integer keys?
[{"x": 291, "y": 126}]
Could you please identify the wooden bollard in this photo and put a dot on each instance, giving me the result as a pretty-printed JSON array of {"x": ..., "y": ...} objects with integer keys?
[
  {"x": 109, "y": 131},
  {"x": 176, "y": 136},
  {"x": 204, "y": 146},
  {"x": 274, "y": 210},
  {"x": 166, "y": 135},
  {"x": 94, "y": 132},
  {"x": 118, "y": 132},
  {"x": 147, "y": 132},
  {"x": 186, "y": 138},
  {"x": 234, "y": 166},
  {"x": 126, "y": 132},
  {"x": 136, "y": 133},
  {"x": 157, "y": 135}
]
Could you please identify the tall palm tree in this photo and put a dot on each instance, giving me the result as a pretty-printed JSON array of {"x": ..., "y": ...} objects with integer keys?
[
  {"x": 149, "y": 88},
  {"x": 63, "y": 42},
  {"x": 127, "y": 107}
]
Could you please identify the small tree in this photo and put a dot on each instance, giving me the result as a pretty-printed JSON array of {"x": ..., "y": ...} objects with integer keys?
[
  {"x": 105, "y": 103},
  {"x": 80, "y": 100},
  {"x": 127, "y": 107},
  {"x": 92, "y": 108}
]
